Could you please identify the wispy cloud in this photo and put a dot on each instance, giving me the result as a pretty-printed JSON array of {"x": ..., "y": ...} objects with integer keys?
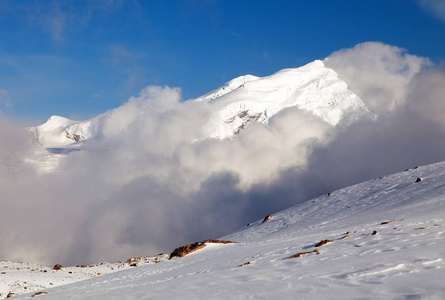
[
  {"x": 50, "y": 16},
  {"x": 128, "y": 64},
  {"x": 56, "y": 18},
  {"x": 5, "y": 100},
  {"x": 435, "y": 7}
]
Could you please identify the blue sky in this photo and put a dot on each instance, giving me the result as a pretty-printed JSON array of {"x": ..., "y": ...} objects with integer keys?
[{"x": 80, "y": 58}]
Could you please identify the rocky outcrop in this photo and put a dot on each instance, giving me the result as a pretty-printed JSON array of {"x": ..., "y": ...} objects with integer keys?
[
  {"x": 322, "y": 243},
  {"x": 190, "y": 248},
  {"x": 266, "y": 218},
  {"x": 300, "y": 254}
]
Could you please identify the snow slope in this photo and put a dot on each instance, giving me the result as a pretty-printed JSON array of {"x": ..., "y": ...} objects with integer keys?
[
  {"x": 19, "y": 278},
  {"x": 387, "y": 241}
]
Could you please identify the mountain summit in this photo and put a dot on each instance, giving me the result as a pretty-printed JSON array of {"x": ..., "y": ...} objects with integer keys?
[{"x": 312, "y": 88}]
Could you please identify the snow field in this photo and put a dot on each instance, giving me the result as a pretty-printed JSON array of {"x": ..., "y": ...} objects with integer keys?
[{"x": 19, "y": 278}]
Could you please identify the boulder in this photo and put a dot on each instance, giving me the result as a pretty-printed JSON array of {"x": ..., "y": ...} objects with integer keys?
[
  {"x": 190, "y": 248},
  {"x": 266, "y": 218}
]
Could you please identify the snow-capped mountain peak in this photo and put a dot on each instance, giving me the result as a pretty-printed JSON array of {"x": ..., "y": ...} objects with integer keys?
[{"x": 312, "y": 88}]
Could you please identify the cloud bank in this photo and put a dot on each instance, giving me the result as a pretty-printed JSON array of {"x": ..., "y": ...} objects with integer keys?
[
  {"x": 379, "y": 74},
  {"x": 150, "y": 182}
]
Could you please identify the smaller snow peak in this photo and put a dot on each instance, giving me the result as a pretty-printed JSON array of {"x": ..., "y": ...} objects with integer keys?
[{"x": 61, "y": 132}]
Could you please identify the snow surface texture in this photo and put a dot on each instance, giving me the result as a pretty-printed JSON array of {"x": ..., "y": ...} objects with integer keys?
[
  {"x": 387, "y": 241},
  {"x": 313, "y": 88},
  {"x": 19, "y": 278}
]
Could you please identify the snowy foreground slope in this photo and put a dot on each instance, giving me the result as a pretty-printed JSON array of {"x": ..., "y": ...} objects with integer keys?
[
  {"x": 387, "y": 241},
  {"x": 19, "y": 278}
]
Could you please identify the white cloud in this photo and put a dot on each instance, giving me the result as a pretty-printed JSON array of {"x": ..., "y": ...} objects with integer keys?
[
  {"x": 377, "y": 72},
  {"x": 153, "y": 185},
  {"x": 426, "y": 95}
]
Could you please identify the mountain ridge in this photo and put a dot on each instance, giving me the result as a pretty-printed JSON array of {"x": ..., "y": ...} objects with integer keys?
[{"x": 241, "y": 101}]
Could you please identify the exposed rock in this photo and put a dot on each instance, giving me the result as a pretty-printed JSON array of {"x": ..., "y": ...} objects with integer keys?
[
  {"x": 132, "y": 260},
  {"x": 374, "y": 232},
  {"x": 244, "y": 264},
  {"x": 10, "y": 294},
  {"x": 300, "y": 254},
  {"x": 190, "y": 248},
  {"x": 39, "y": 293},
  {"x": 267, "y": 217},
  {"x": 322, "y": 243},
  {"x": 187, "y": 249},
  {"x": 58, "y": 267},
  {"x": 418, "y": 179},
  {"x": 390, "y": 221},
  {"x": 243, "y": 118}
]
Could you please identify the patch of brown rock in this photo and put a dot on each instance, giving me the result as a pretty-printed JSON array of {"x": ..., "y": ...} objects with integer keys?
[{"x": 190, "y": 248}]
